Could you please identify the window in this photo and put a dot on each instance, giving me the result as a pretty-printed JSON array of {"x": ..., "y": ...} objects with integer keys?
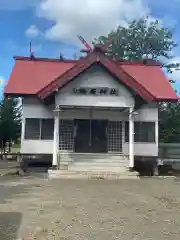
[
  {"x": 32, "y": 128},
  {"x": 47, "y": 129},
  {"x": 144, "y": 132},
  {"x": 39, "y": 129}
]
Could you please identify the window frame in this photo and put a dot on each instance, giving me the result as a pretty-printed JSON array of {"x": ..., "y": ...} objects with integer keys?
[
  {"x": 136, "y": 140},
  {"x": 40, "y": 120},
  {"x": 47, "y": 138},
  {"x": 25, "y": 129}
]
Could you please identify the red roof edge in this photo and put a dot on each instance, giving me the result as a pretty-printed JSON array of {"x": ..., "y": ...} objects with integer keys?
[
  {"x": 45, "y": 59},
  {"x": 168, "y": 100},
  {"x": 127, "y": 79},
  {"x": 17, "y": 95},
  {"x": 67, "y": 76}
]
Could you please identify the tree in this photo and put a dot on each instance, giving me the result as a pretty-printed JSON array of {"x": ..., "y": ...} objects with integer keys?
[
  {"x": 169, "y": 122},
  {"x": 145, "y": 39},
  {"x": 10, "y": 120},
  {"x": 142, "y": 39}
]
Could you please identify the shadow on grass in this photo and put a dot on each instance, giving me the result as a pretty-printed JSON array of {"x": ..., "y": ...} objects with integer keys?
[{"x": 9, "y": 225}]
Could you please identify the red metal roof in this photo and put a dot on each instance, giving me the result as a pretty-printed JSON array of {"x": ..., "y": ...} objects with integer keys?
[
  {"x": 153, "y": 79},
  {"x": 30, "y": 76},
  {"x": 44, "y": 76}
]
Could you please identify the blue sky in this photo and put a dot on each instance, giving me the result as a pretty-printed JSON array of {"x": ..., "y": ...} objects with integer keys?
[{"x": 52, "y": 25}]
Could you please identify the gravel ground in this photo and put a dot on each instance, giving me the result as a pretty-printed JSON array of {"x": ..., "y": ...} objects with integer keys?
[{"x": 34, "y": 208}]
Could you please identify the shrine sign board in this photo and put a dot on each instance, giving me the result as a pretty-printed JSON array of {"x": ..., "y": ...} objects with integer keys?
[{"x": 97, "y": 91}]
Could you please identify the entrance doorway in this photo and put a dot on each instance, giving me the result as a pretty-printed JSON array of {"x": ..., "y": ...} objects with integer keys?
[{"x": 91, "y": 136}]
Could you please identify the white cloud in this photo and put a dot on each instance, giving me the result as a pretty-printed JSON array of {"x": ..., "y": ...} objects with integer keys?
[
  {"x": 2, "y": 85},
  {"x": 176, "y": 73},
  {"x": 33, "y": 31},
  {"x": 2, "y": 81},
  {"x": 89, "y": 18}
]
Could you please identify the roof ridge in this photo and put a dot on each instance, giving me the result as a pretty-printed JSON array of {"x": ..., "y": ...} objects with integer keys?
[
  {"x": 145, "y": 62},
  {"x": 45, "y": 59}
]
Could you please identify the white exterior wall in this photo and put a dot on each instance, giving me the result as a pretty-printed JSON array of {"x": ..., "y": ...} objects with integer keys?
[
  {"x": 146, "y": 114},
  {"x": 94, "y": 77},
  {"x": 35, "y": 109},
  {"x": 32, "y": 108}
]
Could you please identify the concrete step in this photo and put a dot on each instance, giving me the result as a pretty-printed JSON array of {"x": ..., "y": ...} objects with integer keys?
[
  {"x": 70, "y": 171},
  {"x": 90, "y": 155},
  {"x": 66, "y": 172},
  {"x": 94, "y": 157},
  {"x": 95, "y": 162},
  {"x": 91, "y": 172},
  {"x": 89, "y": 162},
  {"x": 111, "y": 164},
  {"x": 63, "y": 174},
  {"x": 96, "y": 168},
  {"x": 90, "y": 158},
  {"x": 99, "y": 156}
]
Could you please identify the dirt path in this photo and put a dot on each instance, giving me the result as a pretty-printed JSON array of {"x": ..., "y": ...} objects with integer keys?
[{"x": 103, "y": 210}]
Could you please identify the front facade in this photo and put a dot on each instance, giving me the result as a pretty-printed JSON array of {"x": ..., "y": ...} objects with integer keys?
[{"x": 93, "y": 111}]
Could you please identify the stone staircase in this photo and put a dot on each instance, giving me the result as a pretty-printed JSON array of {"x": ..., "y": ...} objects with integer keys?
[{"x": 92, "y": 166}]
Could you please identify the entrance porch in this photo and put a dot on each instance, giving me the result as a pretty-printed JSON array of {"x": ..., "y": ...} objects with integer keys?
[{"x": 93, "y": 134}]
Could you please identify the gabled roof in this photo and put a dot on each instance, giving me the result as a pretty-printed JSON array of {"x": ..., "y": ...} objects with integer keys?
[
  {"x": 153, "y": 79},
  {"x": 42, "y": 77},
  {"x": 30, "y": 76}
]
